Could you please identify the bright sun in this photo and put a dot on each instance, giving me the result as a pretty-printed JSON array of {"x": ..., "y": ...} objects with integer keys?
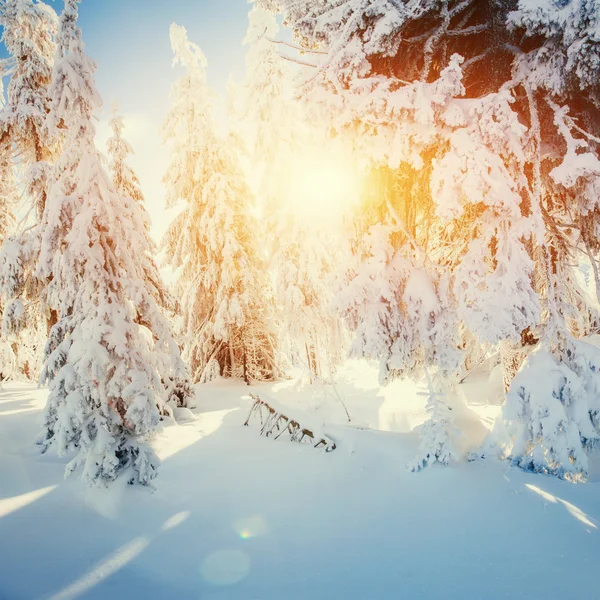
[{"x": 323, "y": 187}]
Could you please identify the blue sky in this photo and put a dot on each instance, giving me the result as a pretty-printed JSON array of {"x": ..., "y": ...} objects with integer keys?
[{"x": 129, "y": 39}]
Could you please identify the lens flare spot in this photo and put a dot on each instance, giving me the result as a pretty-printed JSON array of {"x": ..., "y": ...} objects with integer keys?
[{"x": 250, "y": 527}]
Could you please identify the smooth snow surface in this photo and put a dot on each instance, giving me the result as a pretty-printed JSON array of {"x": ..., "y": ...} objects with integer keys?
[{"x": 239, "y": 516}]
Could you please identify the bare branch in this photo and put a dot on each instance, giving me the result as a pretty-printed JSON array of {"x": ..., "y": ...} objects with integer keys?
[
  {"x": 468, "y": 30},
  {"x": 459, "y": 8},
  {"x": 298, "y": 61},
  {"x": 295, "y": 47}
]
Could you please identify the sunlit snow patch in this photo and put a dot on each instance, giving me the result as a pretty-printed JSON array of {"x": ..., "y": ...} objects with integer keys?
[
  {"x": 178, "y": 437},
  {"x": 9, "y": 505},
  {"x": 573, "y": 510},
  {"x": 176, "y": 520},
  {"x": 104, "y": 569}
]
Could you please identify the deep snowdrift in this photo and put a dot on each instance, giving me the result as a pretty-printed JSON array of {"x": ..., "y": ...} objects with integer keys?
[{"x": 239, "y": 516}]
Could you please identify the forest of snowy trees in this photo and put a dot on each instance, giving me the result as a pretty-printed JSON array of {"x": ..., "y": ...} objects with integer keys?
[{"x": 468, "y": 228}]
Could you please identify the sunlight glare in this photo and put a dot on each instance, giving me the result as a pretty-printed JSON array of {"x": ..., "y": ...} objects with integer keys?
[{"x": 324, "y": 187}]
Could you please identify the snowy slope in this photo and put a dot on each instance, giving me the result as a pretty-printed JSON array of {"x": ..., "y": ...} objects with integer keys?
[{"x": 238, "y": 516}]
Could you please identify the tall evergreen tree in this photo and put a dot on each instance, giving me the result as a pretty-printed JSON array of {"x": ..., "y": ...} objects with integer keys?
[
  {"x": 29, "y": 28},
  {"x": 8, "y": 202},
  {"x": 105, "y": 384},
  {"x": 299, "y": 260},
  {"x": 302, "y": 265},
  {"x": 212, "y": 241},
  {"x": 154, "y": 301},
  {"x": 269, "y": 112}
]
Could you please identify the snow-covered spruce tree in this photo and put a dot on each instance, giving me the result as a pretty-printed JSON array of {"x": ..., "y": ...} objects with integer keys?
[
  {"x": 105, "y": 393},
  {"x": 20, "y": 346},
  {"x": 452, "y": 235},
  {"x": 9, "y": 196},
  {"x": 485, "y": 188},
  {"x": 212, "y": 241},
  {"x": 185, "y": 133},
  {"x": 265, "y": 321},
  {"x": 265, "y": 120},
  {"x": 299, "y": 259},
  {"x": 558, "y": 70},
  {"x": 400, "y": 307},
  {"x": 303, "y": 263},
  {"x": 8, "y": 201},
  {"x": 550, "y": 415},
  {"x": 28, "y": 33},
  {"x": 153, "y": 301},
  {"x": 268, "y": 97}
]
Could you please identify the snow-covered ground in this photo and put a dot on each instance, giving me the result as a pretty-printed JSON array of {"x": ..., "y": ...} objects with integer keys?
[{"x": 239, "y": 516}]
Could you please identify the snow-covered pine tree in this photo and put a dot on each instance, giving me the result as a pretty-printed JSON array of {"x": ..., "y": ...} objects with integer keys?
[
  {"x": 8, "y": 202},
  {"x": 400, "y": 306},
  {"x": 264, "y": 323},
  {"x": 484, "y": 188},
  {"x": 299, "y": 259},
  {"x": 20, "y": 346},
  {"x": 549, "y": 425},
  {"x": 268, "y": 97},
  {"x": 551, "y": 412},
  {"x": 153, "y": 301},
  {"x": 266, "y": 120},
  {"x": 271, "y": 118},
  {"x": 302, "y": 266},
  {"x": 28, "y": 33},
  {"x": 212, "y": 241},
  {"x": 105, "y": 392},
  {"x": 9, "y": 196}
]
